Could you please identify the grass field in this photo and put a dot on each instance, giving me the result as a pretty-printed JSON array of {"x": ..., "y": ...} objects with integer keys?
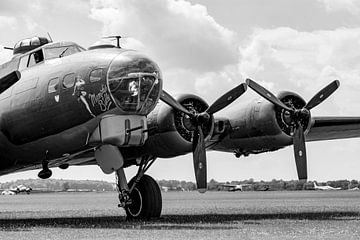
[{"x": 186, "y": 215}]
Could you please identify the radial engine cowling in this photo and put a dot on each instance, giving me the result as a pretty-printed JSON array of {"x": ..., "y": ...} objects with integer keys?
[
  {"x": 173, "y": 130},
  {"x": 284, "y": 119}
]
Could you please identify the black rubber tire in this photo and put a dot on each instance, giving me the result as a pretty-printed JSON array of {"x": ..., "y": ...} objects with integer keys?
[{"x": 146, "y": 200}]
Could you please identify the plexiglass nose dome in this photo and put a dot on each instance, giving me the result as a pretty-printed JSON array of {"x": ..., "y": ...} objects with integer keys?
[{"x": 135, "y": 82}]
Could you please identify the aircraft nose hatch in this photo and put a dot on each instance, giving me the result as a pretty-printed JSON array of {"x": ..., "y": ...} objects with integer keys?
[{"x": 134, "y": 82}]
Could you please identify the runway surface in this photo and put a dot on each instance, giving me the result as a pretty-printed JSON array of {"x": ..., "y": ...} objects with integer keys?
[{"x": 185, "y": 215}]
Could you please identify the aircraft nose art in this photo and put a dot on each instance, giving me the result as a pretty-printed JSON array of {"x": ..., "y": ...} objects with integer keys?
[{"x": 135, "y": 82}]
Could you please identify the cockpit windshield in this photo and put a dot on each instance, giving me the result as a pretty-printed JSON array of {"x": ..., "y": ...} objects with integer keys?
[{"x": 58, "y": 52}]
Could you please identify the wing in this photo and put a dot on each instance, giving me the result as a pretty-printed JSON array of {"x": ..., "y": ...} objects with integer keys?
[{"x": 328, "y": 128}]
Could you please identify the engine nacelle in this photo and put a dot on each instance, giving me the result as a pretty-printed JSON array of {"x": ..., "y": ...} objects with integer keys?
[
  {"x": 172, "y": 131},
  {"x": 259, "y": 126}
]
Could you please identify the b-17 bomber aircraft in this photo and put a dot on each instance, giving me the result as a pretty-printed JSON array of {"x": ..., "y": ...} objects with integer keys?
[{"x": 62, "y": 105}]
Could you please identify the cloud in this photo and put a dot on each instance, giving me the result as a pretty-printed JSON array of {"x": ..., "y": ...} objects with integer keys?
[
  {"x": 40, "y": 16},
  {"x": 175, "y": 32},
  {"x": 214, "y": 84},
  {"x": 292, "y": 59},
  {"x": 193, "y": 50},
  {"x": 352, "y": 6},
  {"x": 7, "y": 22}
]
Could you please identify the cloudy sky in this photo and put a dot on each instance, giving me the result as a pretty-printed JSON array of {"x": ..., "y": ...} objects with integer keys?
[{"x": 207, "y": 47}]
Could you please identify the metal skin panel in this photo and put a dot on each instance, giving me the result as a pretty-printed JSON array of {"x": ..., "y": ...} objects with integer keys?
[
  {"x": 109, "y": 158},
  {"x": 114, "y": 130},
  {"x": 17, "y": 157},
  {"x": 34, "y": 122},
  {"x": 251, "y": 128},
  {"x": 36, "y": 114}
]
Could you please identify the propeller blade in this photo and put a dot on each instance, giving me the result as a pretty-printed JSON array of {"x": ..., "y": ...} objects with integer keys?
[
  {"x": 300, "y": 153},
  {"x": 266, "y": 94},
  {"x": 168, "y": 99},
  {"x": 227, "y": 98},
  {"x": 199, "y": 157},
  {"x": 322, "y": 94}
]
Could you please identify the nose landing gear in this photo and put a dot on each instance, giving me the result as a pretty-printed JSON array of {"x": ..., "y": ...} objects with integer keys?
[{"x": 143, "y": 199}]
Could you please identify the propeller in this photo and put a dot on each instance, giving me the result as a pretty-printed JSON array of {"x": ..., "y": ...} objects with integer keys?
[
  {"x": 295, "y": 118},
  {"x": 197, "y": 120}
]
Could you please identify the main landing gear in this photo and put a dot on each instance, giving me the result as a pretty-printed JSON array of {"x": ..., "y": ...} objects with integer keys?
[{"x": 141, "y": 198}]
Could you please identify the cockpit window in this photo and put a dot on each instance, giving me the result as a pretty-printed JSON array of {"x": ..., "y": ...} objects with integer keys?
[
  {"x": 23, "y": 62},
  {"x": 58, "y": 52},
  {"x": 35, "y": 58}
]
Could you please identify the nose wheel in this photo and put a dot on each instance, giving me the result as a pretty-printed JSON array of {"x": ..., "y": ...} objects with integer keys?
[
  {"x": 141, "y": 197},
  {"x": 145, "y": 199}
]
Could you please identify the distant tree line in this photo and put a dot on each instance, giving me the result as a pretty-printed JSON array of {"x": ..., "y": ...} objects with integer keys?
[
  {"x": 273, "y": 185},
  {"x": 61, "y": 185},
  {"x": 176, "y": 185}
]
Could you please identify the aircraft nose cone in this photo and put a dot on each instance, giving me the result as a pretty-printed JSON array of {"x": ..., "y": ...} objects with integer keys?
[{"x": 135, "y": 82}]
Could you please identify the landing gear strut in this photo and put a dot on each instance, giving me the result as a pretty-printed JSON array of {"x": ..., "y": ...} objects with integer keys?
[{"x": 141, "y": 198}]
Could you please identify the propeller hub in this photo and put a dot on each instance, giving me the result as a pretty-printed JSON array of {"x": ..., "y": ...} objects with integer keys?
[
  {"x": 304, "y": 113},
  {"x": 302, "y": 117},
  {"x": 203, "y": 117}
]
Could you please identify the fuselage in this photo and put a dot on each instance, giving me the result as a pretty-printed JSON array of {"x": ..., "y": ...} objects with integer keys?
[{"x": 56, "y": 104}]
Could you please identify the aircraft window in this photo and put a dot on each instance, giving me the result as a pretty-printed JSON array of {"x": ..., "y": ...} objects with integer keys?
[
  {"x": 135, "y": 92},
  {"x": 96, "y": 75},
  {"x": 69, "y": 80},
  {"x": 58, "y": 52},
  {"x": 25, "y": 42},
  {"x": 134, "y": 82},
  {"x": 23, "y": 62},
  {"x": 126, "y": 91},
  {"x": 35, "y": 41},
  {"x": 53, "y": 85},
  {"x": 18, "y": 44},
  {"x": 35, "y": 58}
]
